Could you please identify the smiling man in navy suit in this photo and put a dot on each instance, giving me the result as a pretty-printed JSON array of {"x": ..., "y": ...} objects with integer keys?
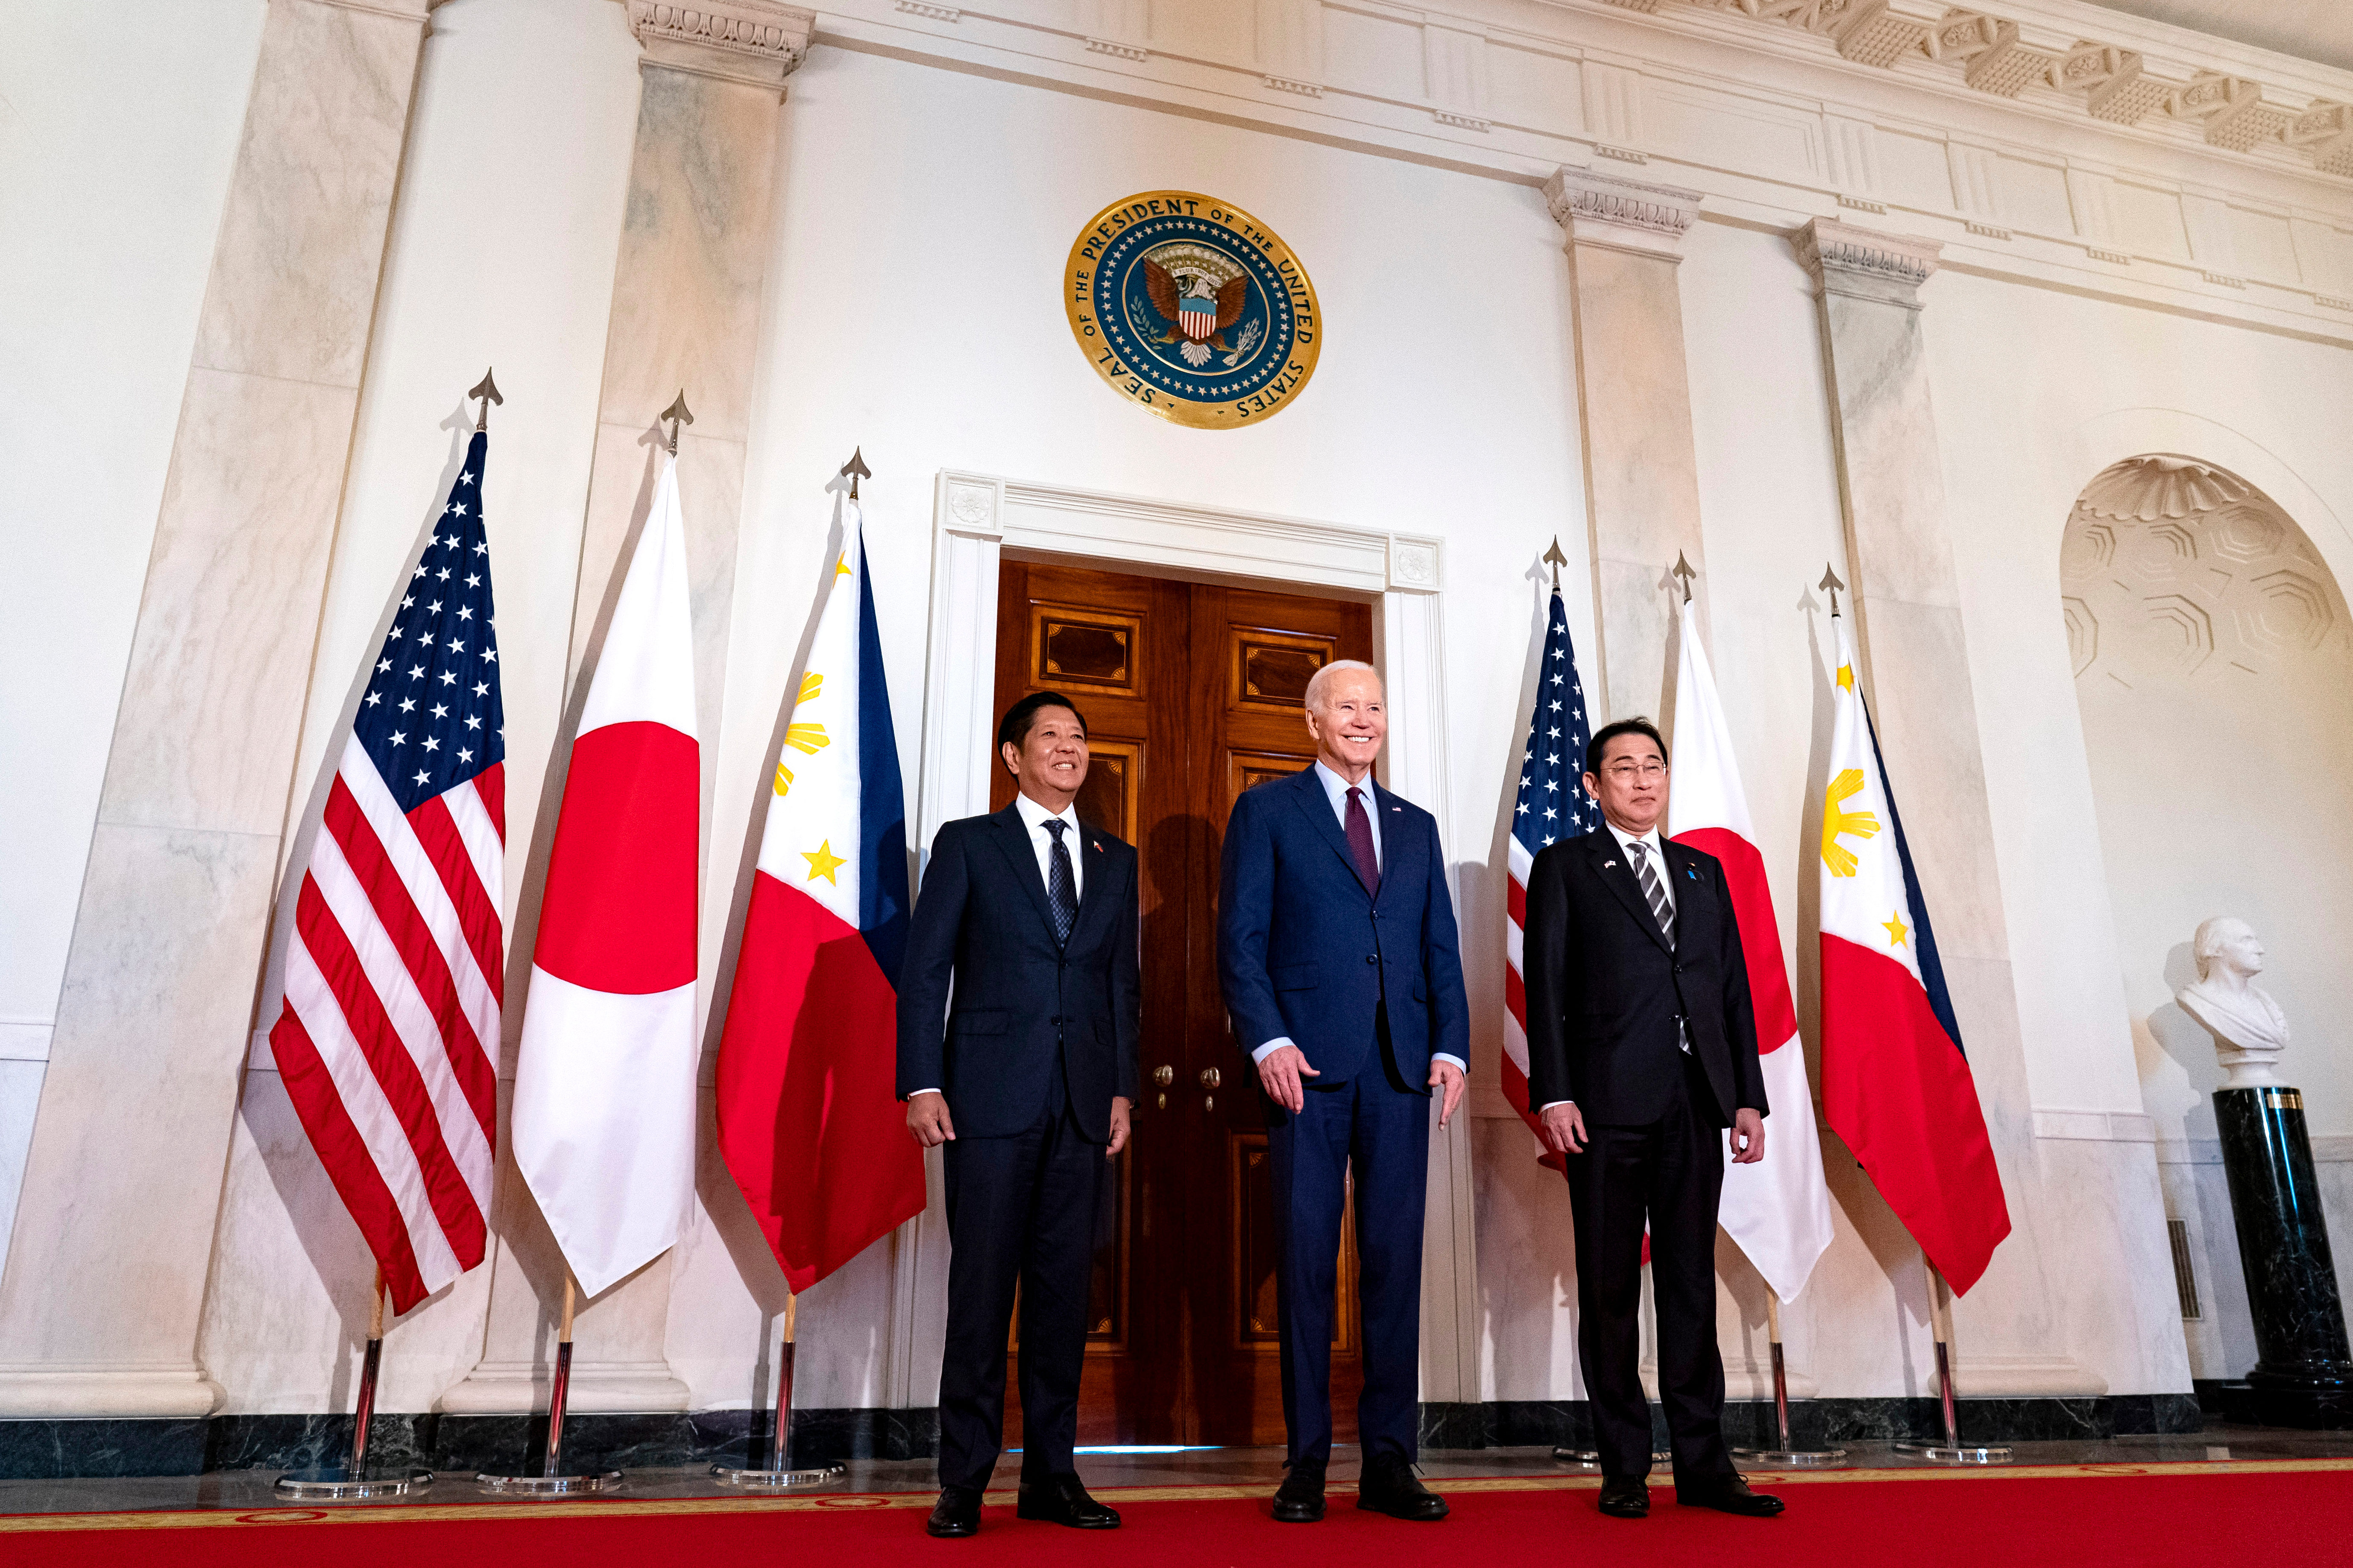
[
  {"x": 1033, "y": 916},
  {"x": 1337, "y": 948}
]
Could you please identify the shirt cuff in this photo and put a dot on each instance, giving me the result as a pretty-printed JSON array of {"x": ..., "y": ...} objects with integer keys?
[
  {"x": 1459, "y": 1065},
  {"x": 1548, "y": 1104},
  {"x": 912, "y": 1092},
  {"x": 1275, "y": 1043}
]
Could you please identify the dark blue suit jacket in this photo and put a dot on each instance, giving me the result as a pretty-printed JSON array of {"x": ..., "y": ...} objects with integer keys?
[
  {"x": 1305, "y": 951},
  {"x": 1021, "y": 1003}
]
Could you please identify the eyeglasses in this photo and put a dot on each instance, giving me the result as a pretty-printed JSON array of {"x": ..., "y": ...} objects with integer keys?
[{"x": 1627, "y": 772}]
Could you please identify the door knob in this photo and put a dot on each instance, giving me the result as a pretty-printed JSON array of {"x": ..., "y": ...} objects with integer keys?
[
  {"x": 1164, "y": 1075},
  {"x": 1210, "y": 1077}
]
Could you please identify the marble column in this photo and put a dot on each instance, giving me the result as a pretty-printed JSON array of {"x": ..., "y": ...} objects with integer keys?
[
  {"x": 694, "y": 246},
  {"x": 1906, "y": 606},
  {"x": 1633, "y": 407},
  {"x": 105, "y": 1277},
  {"x": 2304, "y": 1371}
]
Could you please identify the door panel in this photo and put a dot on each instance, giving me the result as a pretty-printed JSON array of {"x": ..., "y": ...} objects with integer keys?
[{"x": 1192, "y": 694}]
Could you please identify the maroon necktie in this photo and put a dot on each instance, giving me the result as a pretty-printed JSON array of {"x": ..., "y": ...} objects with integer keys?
[{"x": 1360, "y": 843}]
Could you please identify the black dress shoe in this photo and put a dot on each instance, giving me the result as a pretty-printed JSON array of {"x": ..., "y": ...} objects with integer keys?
[
  {"x": 1300, "y": 1499},
  {"x": 956, "y": 1513},
  {"x": 1730, "y": 1495},
  {"x": 1390, "y": 1487},
  {"x": 1625, "y": 1496},
  {"x": 1063, "y": 1499}
]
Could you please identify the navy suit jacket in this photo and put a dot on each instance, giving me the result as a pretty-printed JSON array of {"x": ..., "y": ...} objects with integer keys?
[
  {"x": 1303, "y": 950},
  {"x": 982, "y": 919}
]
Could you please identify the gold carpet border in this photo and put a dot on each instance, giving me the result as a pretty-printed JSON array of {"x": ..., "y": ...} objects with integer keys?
[{"x": 862, "y": 1502}]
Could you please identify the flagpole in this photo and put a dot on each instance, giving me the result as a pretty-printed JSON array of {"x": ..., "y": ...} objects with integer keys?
[
  {"x": 1787, "y": 1456},
  {"x": 1952, "y": 1450},
  {"x": 329, "y": 1482},
  {"x": 780, "y": 1471},
  {"x": 552, "y": 1480}
]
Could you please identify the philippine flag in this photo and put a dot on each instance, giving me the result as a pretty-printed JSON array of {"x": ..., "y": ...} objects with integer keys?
[
  {"x": 1894, "y": 1083},
  {"x": 604, "y": 1096},
  {"x": 809, "y": 1121},
  {"x": 1777, "y": 1209}
]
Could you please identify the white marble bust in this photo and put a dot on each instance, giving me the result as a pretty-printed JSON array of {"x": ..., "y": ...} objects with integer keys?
[{"x": 2249, "y": 1029}]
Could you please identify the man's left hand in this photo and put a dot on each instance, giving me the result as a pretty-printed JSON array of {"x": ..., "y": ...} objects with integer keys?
[
  {"x": 1447, "y": 1076},
  {"x": 1747, "y": 1137},
  {"x": 1119, "y": 1109}
]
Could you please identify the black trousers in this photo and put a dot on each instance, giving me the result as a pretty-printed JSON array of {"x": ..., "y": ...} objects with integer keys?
[
  {"x": 1021, "y": 1208},
  {"x": 1670, "y": 1172}
]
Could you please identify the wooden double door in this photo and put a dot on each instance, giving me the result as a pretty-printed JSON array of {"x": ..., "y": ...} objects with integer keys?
[{"x": 1192, "y": 694}]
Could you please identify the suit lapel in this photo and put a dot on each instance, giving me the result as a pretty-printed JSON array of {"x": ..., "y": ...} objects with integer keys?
[
  {"x": 1611, "y": 864},
  {"x": 1685, "y": 888},
  {"x": 1093, "y": 875},
  {"x": 1013, "y": 838},
  {"x": 1401, "y": 852},
  {"x": 1307, "y": 791}
]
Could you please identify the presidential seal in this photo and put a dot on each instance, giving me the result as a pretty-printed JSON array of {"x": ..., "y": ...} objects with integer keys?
[{"x": 1192, "y": 309}]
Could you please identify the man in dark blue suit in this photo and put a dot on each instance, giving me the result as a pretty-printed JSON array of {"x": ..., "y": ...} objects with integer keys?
[
  {"x": 1337, "y": 951},
  {"x": 1033, "y": 915}
]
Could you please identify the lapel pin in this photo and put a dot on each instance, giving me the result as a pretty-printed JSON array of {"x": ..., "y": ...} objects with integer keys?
[{"x": 1606, "y": 865}]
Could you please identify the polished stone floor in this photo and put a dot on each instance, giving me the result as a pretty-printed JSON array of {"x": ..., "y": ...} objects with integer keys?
[{"x": 244, "y": 1490}]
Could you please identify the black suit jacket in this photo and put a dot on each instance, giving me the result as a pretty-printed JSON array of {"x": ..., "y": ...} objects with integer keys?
[
  {"x": 1021, "y": 1002},
  {"x": 1604, "y": 989}
]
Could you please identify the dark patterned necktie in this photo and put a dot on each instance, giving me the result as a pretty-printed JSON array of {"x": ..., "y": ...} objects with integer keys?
[
  {"x": 1660, "y": 909},
  {"x": 1360, "y": 843},
  {"x": 1062, "y": 886}
]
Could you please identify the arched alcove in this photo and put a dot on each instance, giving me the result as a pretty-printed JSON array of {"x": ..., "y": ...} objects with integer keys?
[{"x": 2213, "y": 661}]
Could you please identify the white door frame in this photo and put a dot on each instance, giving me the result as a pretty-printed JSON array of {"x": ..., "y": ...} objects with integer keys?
[{"x": 977, "y": 519}]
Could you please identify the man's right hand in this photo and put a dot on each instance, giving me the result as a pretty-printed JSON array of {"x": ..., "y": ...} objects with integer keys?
[
  {"x": 1279, "y": 1074},
  {"x": 1564, "y": 1127},
  {"x": 927, "y": 1120}
]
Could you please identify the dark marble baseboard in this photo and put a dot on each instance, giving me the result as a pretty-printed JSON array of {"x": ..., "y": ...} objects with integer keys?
[
  {"x": 508, "y": 1445},
  {"x": 1822, "y": 1423}
]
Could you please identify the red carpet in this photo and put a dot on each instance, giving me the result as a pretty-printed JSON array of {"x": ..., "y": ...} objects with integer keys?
[{"x": 2280, "y": 1515}]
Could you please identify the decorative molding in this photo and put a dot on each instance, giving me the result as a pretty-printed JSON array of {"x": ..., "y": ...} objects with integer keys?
[
  {"x": 1994, "y": 58},
  {"x": 1866, "y": 264},
  {"x": 2096, "y": 1126},
  {"x": 1413, "y": 564},
  {"x": 1862, "y": 203},
  {"x": 969, "y": 504},
  {"x": 1467, "y": 121},
  {"x": 1624, "y": 155},
  {"x": 2099, "y": 254},
  {"x": 756, "y": 42},
  {"x": 1624, "y": 214},
  {"x": 2161, "y": 489},
  {"x": 936, "y": 13},
  {"x": 1286, "y": 84},
  {"x": 1990, "y": 231},
  {"x": 2223, "y": 279},
  {"x": 26, "y": 1039},
  {"x": 1113, "y": 46},
  {"x": 2332, "y": 302}
]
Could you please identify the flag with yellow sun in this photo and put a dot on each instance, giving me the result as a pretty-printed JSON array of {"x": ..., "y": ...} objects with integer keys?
[
  {"x": 809, "y": 1122},
  {"x": 1895, "y": 1084}
]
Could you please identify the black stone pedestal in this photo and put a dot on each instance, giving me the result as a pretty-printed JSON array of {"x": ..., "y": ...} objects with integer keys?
[{"x": 2304, "y": 1368}]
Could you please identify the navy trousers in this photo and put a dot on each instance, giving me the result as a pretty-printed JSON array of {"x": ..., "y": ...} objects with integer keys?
[
  {"x": 1022, "y": 1207},
  {"x": 1381, "y": 1130}
]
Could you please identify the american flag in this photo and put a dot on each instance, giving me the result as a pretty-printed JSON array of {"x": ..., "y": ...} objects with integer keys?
[
  {"x": 1551, "y": 805},
  {"x": 387, "y": 1042}
]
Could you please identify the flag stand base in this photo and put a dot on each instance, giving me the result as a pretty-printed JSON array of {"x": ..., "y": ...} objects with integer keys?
[
  {"x": 1952, "y": 1450},
  {"x": 334, "y": 1483},
  {"x": 551, "y": 1481},
  {"x": 1786, "y": 1456},
  {"x": 1568, "y": 1456},
  {"x": 782, "y": 1471}
]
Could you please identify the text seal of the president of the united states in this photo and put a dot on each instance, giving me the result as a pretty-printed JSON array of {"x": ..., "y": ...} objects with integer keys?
[{"x": 1191, "y": 307}]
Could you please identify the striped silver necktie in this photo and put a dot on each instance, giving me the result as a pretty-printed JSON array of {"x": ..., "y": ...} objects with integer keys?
[{"x": 1660, "y": 909}]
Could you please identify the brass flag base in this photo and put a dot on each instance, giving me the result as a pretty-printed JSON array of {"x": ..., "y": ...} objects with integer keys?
[{"x": 334, "y": 1483}]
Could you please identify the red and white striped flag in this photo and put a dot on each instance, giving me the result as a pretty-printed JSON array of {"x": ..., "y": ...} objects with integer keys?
[
  {"x": 1777, "y": 1209},
  {"x": 387, "y": 1042},
  {"x": 603, "y": 1123}
]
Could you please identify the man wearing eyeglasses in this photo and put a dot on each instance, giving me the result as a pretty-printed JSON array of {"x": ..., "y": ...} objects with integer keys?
[{"x": 1642, "y": 1051}]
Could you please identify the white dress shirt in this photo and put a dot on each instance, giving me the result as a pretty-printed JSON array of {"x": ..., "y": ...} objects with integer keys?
[
  {"x": 1658, "y": 859},
  {"x": 1335, "y": 790},
  {"x": 1034, "y": 818}
]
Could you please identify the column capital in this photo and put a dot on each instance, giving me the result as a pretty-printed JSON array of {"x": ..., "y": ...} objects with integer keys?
[
  {"x": 1622, "y": 214},
  {"x": 756, "y": 42},
  {"x": 1864, "y": 264}
]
